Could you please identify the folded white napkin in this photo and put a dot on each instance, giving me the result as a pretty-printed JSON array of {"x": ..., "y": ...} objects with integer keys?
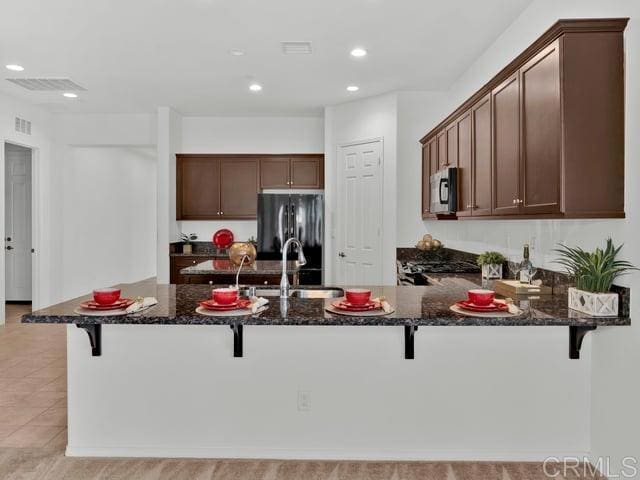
[
  {"x": 386, "y": 306},
  {"x": 257, "y": 303},
  {"x": 142, "y": 304}
]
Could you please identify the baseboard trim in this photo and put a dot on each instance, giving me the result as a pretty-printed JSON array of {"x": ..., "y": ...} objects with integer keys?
[{"x": 318, "y": 454}]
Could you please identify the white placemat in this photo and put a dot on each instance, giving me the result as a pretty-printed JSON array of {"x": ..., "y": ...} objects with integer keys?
[
  {"x": 366, "y": 313},
  {"x": 462, "y": 311},
  {"x": 228, "y": 313}
]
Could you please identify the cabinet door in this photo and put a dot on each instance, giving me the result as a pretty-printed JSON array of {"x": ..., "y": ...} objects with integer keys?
[
  {"x": 505, "y": 100},
  {"x": 274, "y": 172},
  {"x": 238, "y": 188},
  {"x": 541, "y": 143},
  {"x": 426, "y": 172},
  {"x": 464, "y": 165},
  {"x": 442, "y": 149},
  {"x": 452, "y": 145},
  {"x": 433, "y": 155},
  {"x": 307, "y": 172},
  {"x": 481, "y": 151},
  {"x": 197, "y": 188}
]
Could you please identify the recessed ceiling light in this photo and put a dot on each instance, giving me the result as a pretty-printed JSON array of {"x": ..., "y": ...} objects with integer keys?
[
  {"x": 358, "y": 52},
  {"x": 15, "y": 68},
  {"x": 236, "y": 53},
  {"x": 353, "y": 88},
  {"x": 255, "y": 87},
  {"x": 70, "y": 95}
]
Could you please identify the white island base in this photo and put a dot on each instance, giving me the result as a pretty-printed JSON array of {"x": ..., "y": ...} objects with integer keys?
[{"x": 471, "y": 393}]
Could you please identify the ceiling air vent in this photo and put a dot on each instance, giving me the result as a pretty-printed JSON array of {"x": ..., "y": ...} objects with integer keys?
[
  {"x": 23, "y": 126},
  {"x": 296, "y": 48},
  {"x": 47, "y": 84}
]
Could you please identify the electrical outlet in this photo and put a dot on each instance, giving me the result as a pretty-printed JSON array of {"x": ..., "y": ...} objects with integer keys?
[{"x": 304, "y": 401}]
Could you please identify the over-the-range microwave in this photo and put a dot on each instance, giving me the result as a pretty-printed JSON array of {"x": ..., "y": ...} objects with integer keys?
[{"x": 444, "y": 191}]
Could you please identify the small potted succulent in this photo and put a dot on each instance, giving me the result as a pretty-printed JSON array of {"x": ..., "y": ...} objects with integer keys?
[
  {"x": 491, "y": 263},
  {"x": 186, "y": 242},
  {"x": 594, "y": 273}
]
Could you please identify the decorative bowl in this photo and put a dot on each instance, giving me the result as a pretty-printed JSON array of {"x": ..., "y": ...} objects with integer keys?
[{"x": 239, "y": 250}]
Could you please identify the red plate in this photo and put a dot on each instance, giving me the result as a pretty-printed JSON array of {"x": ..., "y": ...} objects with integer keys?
[
  {"x": 344, "y": 305},
  {"x": 223, "y": 238},
  {"x": 120, "y": 304},
  {"x": 494, "y": 307},
  {"x": 240, "y": 304}
]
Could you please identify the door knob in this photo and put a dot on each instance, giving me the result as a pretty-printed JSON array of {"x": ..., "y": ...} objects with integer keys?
[
  {"x": 341, "y": 255},
  {"x": 8, "y": 239},
  {"x": 9, "y": 247}
]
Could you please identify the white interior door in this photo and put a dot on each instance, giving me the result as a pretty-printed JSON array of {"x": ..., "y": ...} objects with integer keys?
[
  {"x": 17, "y": 223},
  {"x": 359, "y": 214}
]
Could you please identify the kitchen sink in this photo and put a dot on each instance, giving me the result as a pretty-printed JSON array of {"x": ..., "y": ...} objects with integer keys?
[
  {"x": 317, "y": 293},
  {"x": 321, "y": 292}
]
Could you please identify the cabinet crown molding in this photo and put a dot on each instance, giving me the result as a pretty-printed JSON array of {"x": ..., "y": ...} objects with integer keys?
[{"x": 561, "y": 27}]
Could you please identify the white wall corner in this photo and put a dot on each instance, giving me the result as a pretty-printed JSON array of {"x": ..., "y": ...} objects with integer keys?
[{"x": 169, "y": 143}]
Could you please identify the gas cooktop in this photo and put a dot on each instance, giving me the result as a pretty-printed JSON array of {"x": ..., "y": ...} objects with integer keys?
[{"x": 412, "y": 272}]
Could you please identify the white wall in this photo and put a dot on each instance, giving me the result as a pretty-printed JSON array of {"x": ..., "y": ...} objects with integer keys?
[
  {"x": 108, "y": 217},
  {"x": 246, "y": 135},
  {"x": 41, "y": 142},
  {"x": 106, "y": 129},
  {"x": 615, "y": 392},
  {"x": 169, "y": 143},
  {"x": 366, "y": 119}
]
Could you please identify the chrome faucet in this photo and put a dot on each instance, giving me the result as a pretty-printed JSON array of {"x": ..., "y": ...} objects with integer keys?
[{"x": 284, "y": 281}]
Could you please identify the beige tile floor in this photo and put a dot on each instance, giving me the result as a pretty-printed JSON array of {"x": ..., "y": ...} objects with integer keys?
[
  {"x": 33, "y": 385},
  {"x": 33, "y": 432}
]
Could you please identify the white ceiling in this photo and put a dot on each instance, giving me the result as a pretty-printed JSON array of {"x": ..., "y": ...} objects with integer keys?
[{"x": 134, "y": 55}]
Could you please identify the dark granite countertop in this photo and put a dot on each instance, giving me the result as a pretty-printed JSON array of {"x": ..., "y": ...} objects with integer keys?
[
  {"x": 418, "y": 306},
  {"x": 225, "y": 267}
]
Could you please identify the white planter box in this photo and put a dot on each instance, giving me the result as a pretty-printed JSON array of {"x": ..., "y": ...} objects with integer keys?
[
  {"x": 492, "y": 271},
  {"x": 594, "y": 304}
]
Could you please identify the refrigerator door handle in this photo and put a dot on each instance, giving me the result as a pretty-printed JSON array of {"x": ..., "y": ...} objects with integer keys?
[
  {"x": 286, "y": 228},
  {"x": 292, "y": 222}
]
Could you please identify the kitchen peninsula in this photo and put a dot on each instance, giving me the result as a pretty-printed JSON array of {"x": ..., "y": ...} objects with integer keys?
[{"x": 172, "y": 382}]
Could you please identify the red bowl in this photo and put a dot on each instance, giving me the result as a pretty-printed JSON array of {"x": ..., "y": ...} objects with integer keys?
[
  {"x": 357, "y": 296},
  {"x": 223, "y": 238},
  {"x": 481, "y": 297},
  {"x": 106, "y": 296},
  {"x": 224, "y": 296}
]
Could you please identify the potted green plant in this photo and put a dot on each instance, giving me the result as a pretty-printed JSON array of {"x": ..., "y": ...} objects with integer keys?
[
  {"x": 594, "y": 273},
  {"x": 491, "y": 263},
  {"x": 186, "y": 242}
]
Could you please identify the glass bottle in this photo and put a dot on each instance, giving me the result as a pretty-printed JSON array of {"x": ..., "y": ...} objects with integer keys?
[{"x": 526, "y": 267}]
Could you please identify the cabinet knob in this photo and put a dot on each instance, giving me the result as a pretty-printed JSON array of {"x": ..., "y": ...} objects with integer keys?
[
  {"x": 265, "y": 282},
  {"x": 515, "y": 200},
  {"x": 520, "y": 200},
  {"x": 194, "y": 262},
  {"x": 469, "y": 205}
]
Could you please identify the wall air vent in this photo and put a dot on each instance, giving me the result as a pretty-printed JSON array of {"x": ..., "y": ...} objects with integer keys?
[
  {"x": 296, "y": 48},
  {"x": 47, "y": 84},
  {"x": 23, "y": 126}
]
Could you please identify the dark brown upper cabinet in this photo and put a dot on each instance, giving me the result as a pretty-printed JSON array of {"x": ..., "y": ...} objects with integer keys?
[
  {"x": 433, "y": 156},
  {"x": 481, "y": 157},
  {"x": 197, "y": 187},
  {"x": 541, "y": 132},
  {"x": 505, "y": 169},
  {"x": 239, "y": 188},
  {"x": 451, "y": 133},
  {"x": 307, "y": 172},
  {"x": 465, "y": 171},
  {"x": 426, "y": 171},
  {"x": 301, "y": 171},
  {"x": 442, "y": 150},
  {"x": 275, "y": 172},
  {"x": 547, "y": 132}
]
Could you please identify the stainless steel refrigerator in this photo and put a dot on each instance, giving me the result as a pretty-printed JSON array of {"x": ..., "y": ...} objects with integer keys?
[{"x": 282, "y": 216}]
